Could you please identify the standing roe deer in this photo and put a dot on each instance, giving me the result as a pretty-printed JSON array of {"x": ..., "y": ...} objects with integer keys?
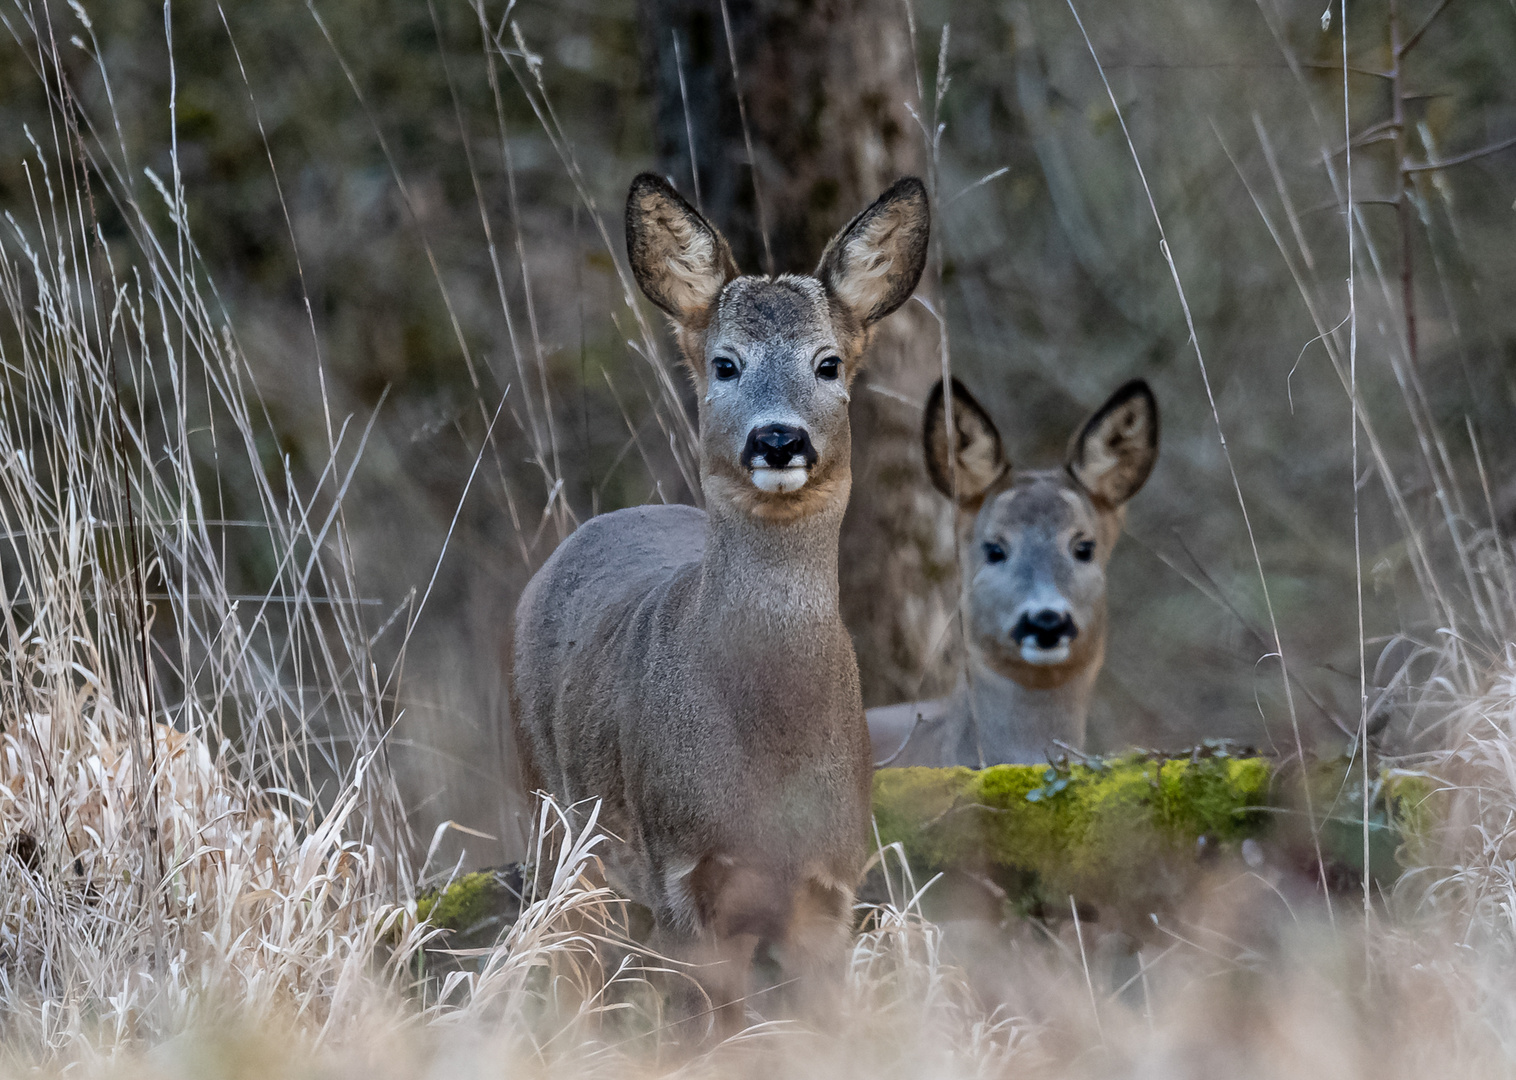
[
  {"x": 1033, "y": 551},
  {"x": 690, "y": 669}
]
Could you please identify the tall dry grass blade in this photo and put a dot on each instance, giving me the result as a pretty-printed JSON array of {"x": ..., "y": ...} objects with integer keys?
[{"x": 747, "y": 141}]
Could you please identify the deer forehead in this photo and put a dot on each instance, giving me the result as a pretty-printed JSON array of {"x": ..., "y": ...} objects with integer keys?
[
  {"x": 788, "y": 313},
  {"x": 1044, "y": 502}
]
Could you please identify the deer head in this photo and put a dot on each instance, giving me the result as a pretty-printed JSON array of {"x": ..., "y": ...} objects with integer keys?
[{"x": 773, "y": 358}]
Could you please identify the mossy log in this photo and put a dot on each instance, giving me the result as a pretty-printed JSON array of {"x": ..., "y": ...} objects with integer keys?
[
  {"x": 1134, "y": 831},
  {"x": 1079, "y": 829},
  {"x": 475, "y": 909},
  {"x": 1127, "y": 832}
]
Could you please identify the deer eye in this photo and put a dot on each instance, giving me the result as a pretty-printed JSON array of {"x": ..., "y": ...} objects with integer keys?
[
  {"x": 829, "y": 369},
  {"x": 1084, "y": 550},
  {"x": 994, "y": 553},
  {"x": 725, "y": 368}
]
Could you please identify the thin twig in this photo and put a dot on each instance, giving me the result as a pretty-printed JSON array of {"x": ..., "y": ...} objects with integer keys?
[
  {"x": 747, "y": 140},
  {"x": 1363, "y": 688},
  {"x": 689, "y": 124}
]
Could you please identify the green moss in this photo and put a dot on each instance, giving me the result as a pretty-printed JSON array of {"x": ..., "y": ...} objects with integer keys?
[
  {"x": 1417, "y": 803},
  {"x": 1096, "y": 829},
  {"x": 465, "y": 904},
  {"x": 1131, "y": 831},
  {"x": 1404, "y": 811},
  {"x": 910, "y": 804}
]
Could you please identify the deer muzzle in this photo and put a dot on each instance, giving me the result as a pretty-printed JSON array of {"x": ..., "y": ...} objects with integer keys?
[
  {"x": 1044, "y": 636},
  {"x": 779, "y": 457}
]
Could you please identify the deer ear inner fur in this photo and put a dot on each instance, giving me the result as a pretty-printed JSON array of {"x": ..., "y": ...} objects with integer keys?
[
  {"x": 977, "y": 460},
  {"x": 681, "y": 262},
  {"x": 1114, "y": 452},
  {"x": 873, "y": 265}
]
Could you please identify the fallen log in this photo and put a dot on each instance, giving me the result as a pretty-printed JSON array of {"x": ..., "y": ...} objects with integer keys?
[
  {"x": 1133, "y": 832},
  {"x": 1128, "y": 833}
]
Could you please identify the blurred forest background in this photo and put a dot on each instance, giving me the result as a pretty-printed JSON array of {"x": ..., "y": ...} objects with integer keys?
[{"x": 409, "y": 206}]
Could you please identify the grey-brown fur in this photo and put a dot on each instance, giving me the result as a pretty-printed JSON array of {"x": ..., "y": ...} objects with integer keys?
[
  {"x": 690, "y": 669},
  {"x": 1009, "y": 708}
]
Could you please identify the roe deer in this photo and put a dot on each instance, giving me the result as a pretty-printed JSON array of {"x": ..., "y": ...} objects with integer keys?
[
  {"x": 690, "y": 669},
  {"x": 1033, "y": 548}
]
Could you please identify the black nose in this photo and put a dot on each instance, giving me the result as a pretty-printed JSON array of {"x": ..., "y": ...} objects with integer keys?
[
  {"x": 777, "y": 445},
  {"x": 1048, "y": 626}
]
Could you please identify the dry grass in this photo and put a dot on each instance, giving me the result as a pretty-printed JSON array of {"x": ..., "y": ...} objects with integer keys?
[
  {"x": 196, "y": 812},
  {"x": 206, "y": 869}
]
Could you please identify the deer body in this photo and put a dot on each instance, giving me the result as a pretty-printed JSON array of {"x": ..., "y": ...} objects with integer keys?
[
  {"x": 718, "y": 726},
  {"x": 1033, "y": 547},
  {"x": 690, "y": 669},
  {"x": 944, "y": 731}
]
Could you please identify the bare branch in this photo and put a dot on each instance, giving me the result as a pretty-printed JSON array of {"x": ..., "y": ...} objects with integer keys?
[
  {"x": 1459, "y": 159},
  {"x": 1410, "y": 42}
]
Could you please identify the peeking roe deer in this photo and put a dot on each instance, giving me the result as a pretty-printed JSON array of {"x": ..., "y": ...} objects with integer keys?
[
  {"x": 690, "y": 669},
  {"x": 1033, "y": 548}
]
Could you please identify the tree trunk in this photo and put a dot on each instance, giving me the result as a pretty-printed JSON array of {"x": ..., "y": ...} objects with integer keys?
[{"x": 825, "y": 86}]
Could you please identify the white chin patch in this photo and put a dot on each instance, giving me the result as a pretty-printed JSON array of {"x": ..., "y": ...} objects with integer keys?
[
  {"x": 780, "y": 481},
  {"x": 1033, "y": 653}
]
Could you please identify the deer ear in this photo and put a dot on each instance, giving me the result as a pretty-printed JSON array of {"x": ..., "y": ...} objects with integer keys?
[
  {"x": 1114, "y": 452},
  {"x": 678, "y": 258},
  {"x": 978, "y": 460},
  {"x": 873, "y": 265}
]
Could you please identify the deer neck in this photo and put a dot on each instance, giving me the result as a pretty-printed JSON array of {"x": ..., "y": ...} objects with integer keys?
[
  {"x": 1017, "y": 723},
  {"x": 758, "y": 576}
]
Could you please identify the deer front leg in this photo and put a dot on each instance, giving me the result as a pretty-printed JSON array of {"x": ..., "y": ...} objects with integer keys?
[{"x": 812, "y": 955}]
